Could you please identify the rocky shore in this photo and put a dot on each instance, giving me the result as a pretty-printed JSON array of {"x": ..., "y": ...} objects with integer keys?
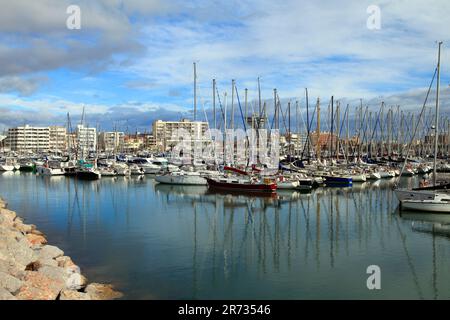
[{"x": 30, "y": 269}]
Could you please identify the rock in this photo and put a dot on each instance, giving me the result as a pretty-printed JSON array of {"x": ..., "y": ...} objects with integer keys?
[
  {"x": 50, "y": 252},
  {"x": 35, "y": 239},
  {"x": 76, "y": 281},
  {"x": 8, "y": 213},
  {"x": 6, "y": 295},
  {"x": 12, "y": 268},
  {"x": 98, "y": 291},
  {"x": 38, "y": 286},
  {"x": 37, "y": 232},
  {"x": 10, "y": 232},
  {"x": 9, "y": 282},
  {"x": 24, "y": 228},
  {"x": 16, "y": 250},
  {"x": 55, "y": 273},
  {"x": 47, "y": 262},
  {"x": 74, "y": 295},
  {"x": 65, "y": 261}
]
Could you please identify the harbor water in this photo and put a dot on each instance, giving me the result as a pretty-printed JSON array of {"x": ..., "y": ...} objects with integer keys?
[{"x": 156, "y": 241}]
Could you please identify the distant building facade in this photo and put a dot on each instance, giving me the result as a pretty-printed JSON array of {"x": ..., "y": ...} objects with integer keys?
[
  {"x": 28, "y": 139},
  {"x": 110, "y": 141},
  {"x": 163, "y": 132},
  {"x": 86, "y": 139},
  {"x": 58, "y": 138}
]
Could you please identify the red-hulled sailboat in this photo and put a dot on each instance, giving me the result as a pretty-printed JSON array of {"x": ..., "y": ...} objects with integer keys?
[{"x": 247, "y": 184}]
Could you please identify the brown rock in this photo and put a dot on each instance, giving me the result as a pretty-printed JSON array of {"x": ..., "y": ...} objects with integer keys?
[
  {"x": 37, "y": 232},
  {"x": 38, "y": 286},
  {"x": 24, "y": 228},
  {"x": 74, "y": 295},
  {"x": 65, "y": 262},
  {"x": 98, "y": 291},
  {"x": 35, "y": 239}
]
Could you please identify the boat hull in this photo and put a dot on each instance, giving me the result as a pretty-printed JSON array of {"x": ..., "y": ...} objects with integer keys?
[
  {"x": 87, "y": 175},
  {"x": 337, "y": 181},
  {"x": 181, "y": 180},
  {"x": 6, "y": 167},
  {"x": 425, "y": 205},
  {"x": 246, "y": 187}
]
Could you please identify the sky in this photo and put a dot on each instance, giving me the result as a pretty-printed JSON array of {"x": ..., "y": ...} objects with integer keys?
[{"x": 131, "y": 61}]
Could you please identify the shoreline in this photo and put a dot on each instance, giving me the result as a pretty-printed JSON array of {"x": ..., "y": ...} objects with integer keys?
[{"x": 31, "y": 269}]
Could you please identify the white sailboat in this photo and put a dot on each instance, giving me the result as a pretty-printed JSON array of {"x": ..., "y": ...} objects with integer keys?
[
  {"x": 427, "y": 200},
  {"x": 182, "y": 178}
]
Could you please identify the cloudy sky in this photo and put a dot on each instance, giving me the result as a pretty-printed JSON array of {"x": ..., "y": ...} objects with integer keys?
[{"x": 131, "y": 61}]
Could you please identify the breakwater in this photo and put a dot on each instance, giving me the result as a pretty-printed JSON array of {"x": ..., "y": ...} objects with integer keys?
[{"x": 31, "y": 269}]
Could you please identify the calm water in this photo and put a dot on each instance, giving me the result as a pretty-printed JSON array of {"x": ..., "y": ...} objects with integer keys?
[{"x": 165, "y": 242}]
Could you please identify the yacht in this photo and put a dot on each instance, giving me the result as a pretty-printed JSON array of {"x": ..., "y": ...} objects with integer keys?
[
  {"x": 182, "y": 178},
  {"x": 50, "y": 168},
  {"x": 147, "y": 166},
  {"x": 427, "y": 198}
]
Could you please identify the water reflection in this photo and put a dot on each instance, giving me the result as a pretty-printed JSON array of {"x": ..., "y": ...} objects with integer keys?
[{"x": 164, "y": 241}]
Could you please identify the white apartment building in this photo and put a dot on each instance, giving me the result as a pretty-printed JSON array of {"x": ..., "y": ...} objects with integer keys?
[
  {"x": 110, "y": 141},
  {"x": 86, "y": 139},
  {"x": 28, "y": 138},
  {"x": 58, "y": 138},
  {"x": 163, "y": 131}
]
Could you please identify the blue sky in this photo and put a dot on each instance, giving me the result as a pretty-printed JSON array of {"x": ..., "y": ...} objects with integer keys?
[{"x": 131, "y": 61}]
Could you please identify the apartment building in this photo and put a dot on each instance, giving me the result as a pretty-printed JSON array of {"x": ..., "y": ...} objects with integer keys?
[
  {"x": 86, "y": 139},
  {"x": 58, "y": 138},
  {"x": 163, "y": 132},
  {"x": 28, "y": 138},
  {"x": 110, "y": 141}
]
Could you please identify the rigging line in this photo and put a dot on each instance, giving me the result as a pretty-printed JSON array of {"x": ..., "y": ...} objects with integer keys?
[
  {"x": 308, "y": 137},
  {"x": 415, "y": 129},
  {"x": 220, "y": 104}
]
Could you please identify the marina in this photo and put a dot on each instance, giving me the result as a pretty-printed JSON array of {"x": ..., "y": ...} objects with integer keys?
[
  {"x": 245, "y": 151},
  {"x": 146, "y": 238}
]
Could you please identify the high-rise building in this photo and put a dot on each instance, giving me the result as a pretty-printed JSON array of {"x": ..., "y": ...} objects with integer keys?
[
  {"x": 110, "y": 141},
  {"x": 58, "y": 138},
  {"x": 28, "y": 138},
  {"x": 86, "y": 139},
  {"x": 164, "y": 132}
]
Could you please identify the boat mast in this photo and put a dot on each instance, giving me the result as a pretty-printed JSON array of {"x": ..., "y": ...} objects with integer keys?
[
  {"x": 195, "y": 92},
  {"x": 214, "y": 104},
  {"x": 332, "y": 120},
  {"x": 275, "y": 106},
  {"x": 307, "y": 123},
  {"x": 347, "y": 141},
  {"x": 318, "y": 152},
  {"x": 225, "y": 128},
  {"x": 436, "y": 121},
  {"x": 246, "y": 104},
  {"x": 289, "y": 126},
  {"x": 232, "y": 105},
  {"x": 338, "y": 128}
]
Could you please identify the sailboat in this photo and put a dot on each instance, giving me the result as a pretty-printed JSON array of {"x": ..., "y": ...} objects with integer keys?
[{"x": 427, "y": 199}]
